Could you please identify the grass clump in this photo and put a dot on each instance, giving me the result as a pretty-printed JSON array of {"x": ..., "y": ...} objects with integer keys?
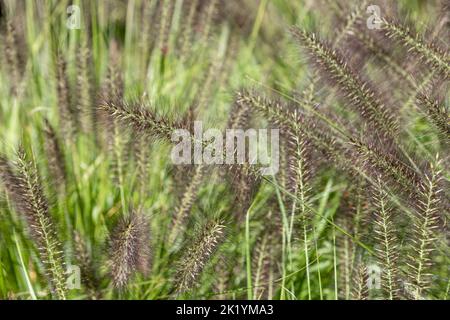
[{"x": 357, "y": 210}]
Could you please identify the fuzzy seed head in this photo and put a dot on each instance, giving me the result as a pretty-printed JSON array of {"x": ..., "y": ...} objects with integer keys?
[{"x": 129, "y": 248}]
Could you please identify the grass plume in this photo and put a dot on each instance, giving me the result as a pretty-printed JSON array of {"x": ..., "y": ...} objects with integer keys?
[
  {"x": 141, "y": 119},
  {"x": 55, "y": 157},
  {"x": 424, "y": 231},
  {"x": 198, "y": 254},
  {"x": 87, "y": 268},
  {"x": 129, "y": 248},
  {"x": 22, "y": 182},
  {"x": 67, "y": 119},
  {"x": 12, "y": 57},
  {"x": 386, "y": 243},
  {"x": 184, "y": 207},
  {"x": 428, "y": 53},
  {"x": 437, "y": 113},
  {"x": 360, "y": 280}
]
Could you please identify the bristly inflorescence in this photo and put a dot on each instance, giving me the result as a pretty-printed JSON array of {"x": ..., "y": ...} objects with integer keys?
[
  {"x": 129, "y": 248},
  {"x": 298, "y": 176},
  {"x": 12, "y": 55},
  {"x": 67, "y": 118},
  {"x": 55, "y": 156},
  {"x": 244, "y": 181},
  {"x": 429, "y": 53},
  {"x": 198, "y": 254},
  {"x": 114, "y": 139},
  {"x": 265, "y": 254},
  {"x": 345, "y": 247},
  {"x": 386, "y": 242},
  {"x": 188, "y": 26},
  {"x": 425, "y": 225},
  {"x": 437, "y": 113},
  {"x": 299, "y": 169},
  {"x": 375, "y": 162},
  {"x": 360, "y": 282},
  {"x": 140, "y": 118},
  {"x": 88, "y": 271},
  {"x": 85, "y": 87},
  {"x": 262, "y": 264},
  {"x": 186, "y": 202},
  {"x": 23, "y": 185}
]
